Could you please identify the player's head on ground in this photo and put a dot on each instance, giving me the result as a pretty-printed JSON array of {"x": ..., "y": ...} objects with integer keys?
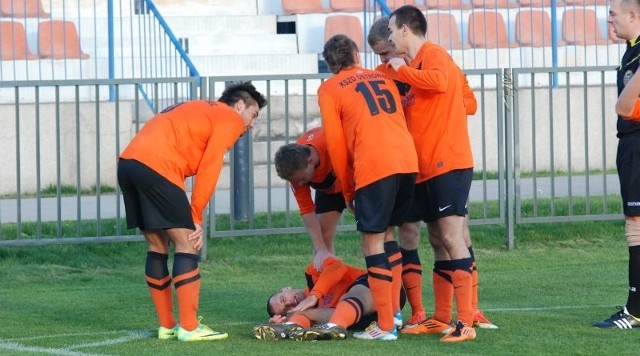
[
  {"x": 340, "y": 52},
  {"x": 294, "y": 163},
  {"x": 244, "y": 99},
  {"x": 405, "y": 22},
  {"x": 284, "y": 300},
  {"x": 624, "y": 17},
  {"x": 378, "y": 39}
]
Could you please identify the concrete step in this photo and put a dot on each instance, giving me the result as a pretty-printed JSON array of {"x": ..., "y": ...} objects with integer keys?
[
  {"x": 245, "y": 65},
  {"x": 204, "y": 44}
]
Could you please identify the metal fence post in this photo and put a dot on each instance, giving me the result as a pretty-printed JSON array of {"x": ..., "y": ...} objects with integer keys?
[
  {"x": 242, "y": 173},
  {"x": 507, "y": 84}
]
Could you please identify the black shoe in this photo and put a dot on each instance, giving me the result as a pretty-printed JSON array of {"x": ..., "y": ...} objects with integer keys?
[
  {"x": 323, "y": 332},
  {"x": 620, "y": 320},
  {"x": 276, "y": 331}
]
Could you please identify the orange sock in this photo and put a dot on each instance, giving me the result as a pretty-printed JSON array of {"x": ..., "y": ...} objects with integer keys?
[
  {"x": 461, "y": 279},
  {"x": 442, "y": 293},
  {"x": 159, "y": 282},
  {"x": 474, "y": 286},
  {"x": 348, "y": 312},
  {"x": 412, "y": 279},
  {"x": 186, "y": 279},
  {"x": 380, "y": 281},
  {"x": 301, "y": 320},
  {"x": 394, "y": 257}
]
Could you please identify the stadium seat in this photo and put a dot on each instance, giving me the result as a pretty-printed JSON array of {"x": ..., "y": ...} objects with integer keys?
[
  {"x": 290, "y": 7},
  {"x": 22, "y": 8},
  {"x": 493, "y": 4},
  {"x": 59, "y": 39},
  {"x": 536, "y": 3},
  {"x": 446, "y": 4},
  {"x": 585, "y": 2},
  {"x": 580, "y": 27},
  {"x": 345, "y": 25},
  {"x": 533, "y": 28},
  {"x": 394, "y": 4},
  {"x": 443, "y": 29},
  {"x": 13, "y": 41},
  {"x": 487, "y": 30},
  {"x": 347, "y": 5}
]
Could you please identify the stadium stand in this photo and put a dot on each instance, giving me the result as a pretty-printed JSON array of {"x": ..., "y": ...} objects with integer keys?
[
  {"x": 585, "y": 2},
  {"x": 22, "y": 8},
  {"x": 443, "y": 29},
  {"x": 494, "y": 4},
  {"x": 290, "y": 7},
  {"x": 446, "y": 4},
  {"x": 487, "y": 29},
  {"x": 13, "y": 39},
  {"x": 346, "y": 5},
  {"x": 346, "y": 25},
  {"x": 533, "y": 28},
  {"x": 580, "y": 27},
  {"x": 58, "y": 39},
  {"x": 536, "y": 3}
]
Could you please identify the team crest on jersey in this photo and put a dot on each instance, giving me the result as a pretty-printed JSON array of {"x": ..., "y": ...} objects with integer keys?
[
  {"x": 310, "y": 137},
  {"x": 627, "y": 77}
]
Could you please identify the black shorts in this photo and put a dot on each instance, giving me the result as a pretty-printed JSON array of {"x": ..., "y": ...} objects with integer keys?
[
  {"x": 150, "y": 200},
  {"x": 329, "y": 202},
  {"x": 628, "y": 163},
  {"x": 369, "y": 318},
  {"x": 384, "y": 203},
  {"x": 441, "y": 196}
]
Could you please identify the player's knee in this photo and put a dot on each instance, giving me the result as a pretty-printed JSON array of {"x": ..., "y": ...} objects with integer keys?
[{"x": 632, "y": 232}]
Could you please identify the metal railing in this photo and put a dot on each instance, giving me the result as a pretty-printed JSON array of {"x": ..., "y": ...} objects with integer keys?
[{"x": 542, "y": 153}]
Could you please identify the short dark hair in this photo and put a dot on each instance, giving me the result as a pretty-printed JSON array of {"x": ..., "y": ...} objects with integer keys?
[
  {"x": 244, "y": 91},
  {"x": 379, "y": 31},
  {"x": 412, "y": 17},
  {"x": 270, "y": 310},
  {"x": 291, "y": 158},
  {"x": 338, "y": 53}
]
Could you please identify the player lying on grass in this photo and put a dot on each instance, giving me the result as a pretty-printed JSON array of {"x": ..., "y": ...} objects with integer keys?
[{"x": 336, "y": 299}]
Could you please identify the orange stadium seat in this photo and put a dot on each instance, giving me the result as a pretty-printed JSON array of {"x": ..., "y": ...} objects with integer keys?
[
  {"x": 533, "y": 28},
  {"x": 585, "y": 2},
  {"x": 347, "y": 5},
  {"x": 59, "y": 39},
  {"x": 22, "y": 8},
  {"x": 488, "y": 30},
  {"x": 13, "y": 41},
  {"x": 446, "y": 4},
  {"x": 394, "y": 4},
  {"x": 493, "y": 4},
  {"x": 443, "y": 29},
  {"x": 345, "y": 25},
  {"x": 536, "y": 3},
  {"x": 290, "y": 7},
  {"x": 580, "y": 27}
]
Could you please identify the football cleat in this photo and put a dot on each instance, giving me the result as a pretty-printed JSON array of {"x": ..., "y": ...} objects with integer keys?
[
  {"x": 397, "y": 319},
  {"x": 276, "y": 331},
  {"x": 481, "y": 321},
  {"x": 620, "y": 320},
  {"x": 373, "y": 332},
  {"x": 461, "y": 333},
  {"x": 416, "y": 319},
  {"x": 168, "y": 333},
  {"x": 324, "y": 332},
  {"x": 201, "y": 333},
  {"x": 429, "y": 326}
]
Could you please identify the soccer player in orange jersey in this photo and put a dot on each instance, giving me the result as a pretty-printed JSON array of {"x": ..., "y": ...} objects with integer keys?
[
  {"x": 409, "y": 233},
  {"x": 306, "y": 164},
  {"x": 437, "y": 120},
  {"x": 373, "y": 156},
  {"x": 184, "y": 140}
]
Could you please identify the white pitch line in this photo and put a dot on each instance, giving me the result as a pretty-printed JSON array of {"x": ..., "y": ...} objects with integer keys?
[
  {"x": 53, "y": 336},
  {"x": 132, "y": 335},
  {"x": 545, "y": 308},
  {"x": 13, "y": 346}
]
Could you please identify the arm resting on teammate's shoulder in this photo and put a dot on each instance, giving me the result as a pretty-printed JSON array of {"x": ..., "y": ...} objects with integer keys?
[{"x": 628, "y": 98}]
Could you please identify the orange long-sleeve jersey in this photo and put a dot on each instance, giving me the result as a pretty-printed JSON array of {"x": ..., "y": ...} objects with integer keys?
[
  {"x": 470, "y": 102},
  {"x": 323, "y": 179},
  {"x": 332, "y": 283},
  {"x": 188, "y": 139},
  {"x": 436, "y": 113},
  {"x": 365, "y": 128}
]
